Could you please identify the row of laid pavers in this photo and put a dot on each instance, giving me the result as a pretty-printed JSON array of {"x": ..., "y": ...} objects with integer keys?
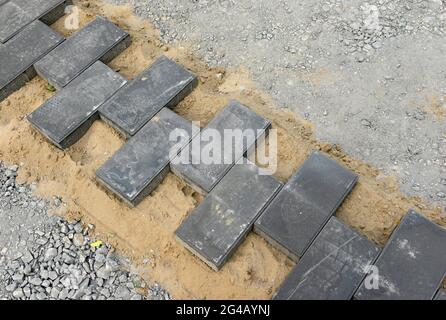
[
  {"x": 297, "y": 218},
  {"x": 15, "y": 15},
  {"x": 203, "y": 176},
  {"x": 337, "y": 259},
  {"x": 132, "y": 104},
  {"x": 334, "y": 262},
  {"x": 127, "y": 106},
  {"x": 139, "y": 110},
  {"x": 163, "y": 84},
  {"x": 289, "y": 218},
  {"x": 141, "y": 164},
  {"x": 341, "y": 264},
  {"x": 84, "y": 81},
  {"x": 37, "y": 49}
]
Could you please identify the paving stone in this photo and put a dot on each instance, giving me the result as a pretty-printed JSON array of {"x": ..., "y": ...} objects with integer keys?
[
  {"x": 18, "y": 55},
  {"x": 412, "y": 265},
  {"x": 221, "y": 222},
  {"x": 305, "y": 204},
  {"x": 47, "y": 11},
  {"x": 163, "y": 84},
  {"x": 332, "y": 268},
  {"x": 17, "y": 14},
  {"x": 99, "y": 40},
  {"x": 65, "y": 117},
  {"x": 141, "y": 164},
  {"x": 203, "y": 176}
]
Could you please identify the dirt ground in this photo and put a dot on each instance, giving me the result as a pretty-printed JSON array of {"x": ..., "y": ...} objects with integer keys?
[{"x": 146, "y": 233}]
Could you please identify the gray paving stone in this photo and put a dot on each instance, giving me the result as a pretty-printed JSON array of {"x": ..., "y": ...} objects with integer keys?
[
  {"x": 99, "y": 40},
  {"x": 164, "y": 84},
  {"x": 332, "y": 268},
  {"x": 141, "y": 164},
  {"x": 47, "y": 11},
  {"x": 17, "y": 14},
  {"x": 221, "y": 222},
  {"x": 12, "y": 20},
  {"x": 441, "y": 295},
  {"x": 18, "y": 55},
  {"x": 65, "y": 117},
  {"x": 305, "y": 204},
  {"x": 412, "y": 265},
  {"x": 204, "y": 177}
]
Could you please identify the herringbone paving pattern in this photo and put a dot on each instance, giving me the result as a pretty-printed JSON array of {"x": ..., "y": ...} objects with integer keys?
[{"x": 297, "y": 218}]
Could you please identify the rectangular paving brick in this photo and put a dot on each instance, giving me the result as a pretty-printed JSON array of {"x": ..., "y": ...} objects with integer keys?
[
  {"x": 65, "y": 117},
  {"x": 202, "y": 176},
  {"x": 47, "y": 11},
  {"x": 17, "y": 14},
  {"x": 141, "y": 164},
  {"x": 221, "y": 222},
  {"x": 441, "y": 295},
  {"x": 332, "y": 268},
  {"x": 12, "y": 20},
  {"x": 163, "y": 84},
  {"x": 99, "y": 40},
  {"x": 18, "y": 55},
  {"x": 305, "y": 204},
  {"x": 412, "y": 265}
]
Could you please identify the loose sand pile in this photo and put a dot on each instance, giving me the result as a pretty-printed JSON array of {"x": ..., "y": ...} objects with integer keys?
[{"x": 256, "y": 270}]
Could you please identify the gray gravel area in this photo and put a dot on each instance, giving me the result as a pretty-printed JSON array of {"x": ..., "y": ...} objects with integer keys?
[
  {"x": 371, "y": 75},
  {"x": 43, "y": 256}
]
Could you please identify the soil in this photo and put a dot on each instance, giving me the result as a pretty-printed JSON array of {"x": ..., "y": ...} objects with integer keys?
[{"x": 146, "y": 233}]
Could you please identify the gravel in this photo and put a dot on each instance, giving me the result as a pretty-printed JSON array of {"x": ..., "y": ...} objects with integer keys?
[
  {"x": 371, "y": 75},
  {"x": 46, "y": 257}
]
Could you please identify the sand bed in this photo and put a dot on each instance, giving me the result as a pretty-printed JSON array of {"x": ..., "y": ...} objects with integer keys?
[{"x": 147, "y": 232}]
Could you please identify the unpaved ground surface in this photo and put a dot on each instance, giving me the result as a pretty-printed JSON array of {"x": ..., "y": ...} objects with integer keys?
[
  {"x": 371, "y": 75},
  {"x": 146, "y": 233},
  {"x": 42, "y": 256}
]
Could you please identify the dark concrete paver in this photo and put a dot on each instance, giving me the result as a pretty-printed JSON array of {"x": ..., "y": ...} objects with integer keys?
[
  {"x": 412, "y": 265},
  {"x": 332, "y": 268},
  {"x": 99, "y": 40},
  {"x": 305, "y": 204},
  {"x": 163, "y": 84},
  {"x": 141, "y": 164},
  {"x": 221, "y": 222},
  {"x": 204, "y": 176},
  {"x": 65, "y": 117}
]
